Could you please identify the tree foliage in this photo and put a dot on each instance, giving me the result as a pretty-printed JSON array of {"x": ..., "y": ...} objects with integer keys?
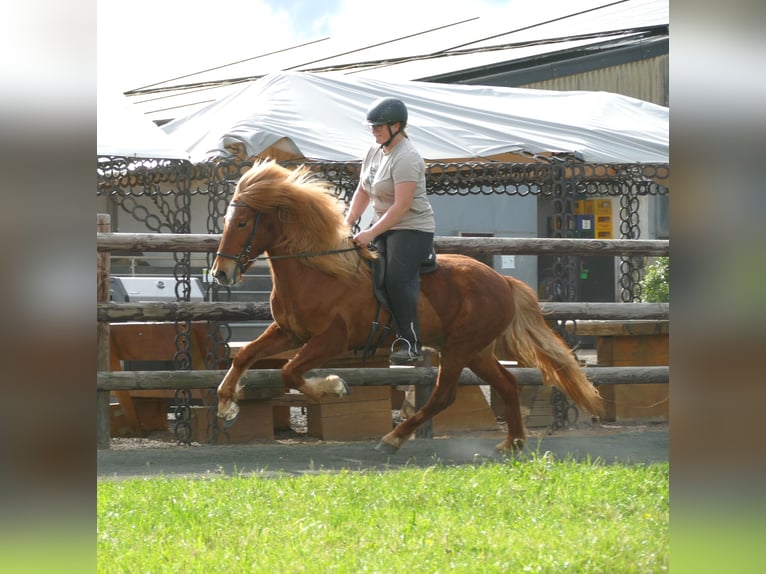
[{"x": 655, "y": 285}]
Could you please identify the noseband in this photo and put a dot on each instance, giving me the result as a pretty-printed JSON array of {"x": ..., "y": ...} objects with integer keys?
[{"x": 243, "y": 258}]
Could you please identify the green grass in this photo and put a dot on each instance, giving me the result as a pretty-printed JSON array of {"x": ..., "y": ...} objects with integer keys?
[{"x": 538, "y": 515}]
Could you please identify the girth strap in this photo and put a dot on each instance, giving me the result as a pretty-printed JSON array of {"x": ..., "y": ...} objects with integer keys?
[{"x": 372, "y": 344}]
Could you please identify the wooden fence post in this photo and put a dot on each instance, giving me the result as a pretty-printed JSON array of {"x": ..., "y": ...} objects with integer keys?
[{"x": 103, "y": 426}]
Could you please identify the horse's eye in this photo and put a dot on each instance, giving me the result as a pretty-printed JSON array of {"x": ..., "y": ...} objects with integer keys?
[{"x": 241, "y": 224}]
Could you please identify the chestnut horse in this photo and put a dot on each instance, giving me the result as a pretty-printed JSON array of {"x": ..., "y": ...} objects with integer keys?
[{"x": 322, "y": 301}]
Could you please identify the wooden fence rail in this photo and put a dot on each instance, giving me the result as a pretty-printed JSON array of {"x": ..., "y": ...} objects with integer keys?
[
  {"x": 199, "y": 243},
  {"x": 170, "y": 311},
  {"x": 259, "y": 382},
  {"x": 269, "y": 379}
]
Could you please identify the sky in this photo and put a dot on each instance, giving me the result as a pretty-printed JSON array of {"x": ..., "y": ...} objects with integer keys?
[
  {"x": 176, "y": 37},
  {"x": 171, "y": 39}
]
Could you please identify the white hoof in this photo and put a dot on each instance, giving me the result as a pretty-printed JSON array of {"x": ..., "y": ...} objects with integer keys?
[
  {"x": 330, "y": 385},
  {"x": 340, "y": 386},
  {"x": 228, "y": 412}
]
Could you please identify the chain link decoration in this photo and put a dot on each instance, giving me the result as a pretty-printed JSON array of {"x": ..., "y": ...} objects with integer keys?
[
  {"x": 565, "y": 413},
  {"x": 184, "y": 334},
  {"x": 182, "y": 414},
  {"x": 218, "y": 352},
  {"x": 136, "y": 185},
  {"x": 630, "y": 267},
  {"x": 563, "y": 281},
  {"x": 137, "y": 178}
]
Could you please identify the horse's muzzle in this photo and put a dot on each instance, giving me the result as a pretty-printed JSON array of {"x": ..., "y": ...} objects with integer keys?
[{"x": 220, "y": 277}]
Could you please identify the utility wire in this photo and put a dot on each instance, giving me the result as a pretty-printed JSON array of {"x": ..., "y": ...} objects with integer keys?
[
  {"x": 629, "y": 33},
  {"x": 371, "y": 64},
  {"x": 139, "y": 90},
  {"x": 451, "y": 51},
  {"x": 147, "y": 89},
  {"x": 535, "y": 25},
  {"x": 357, "y": 67},
  {"x": 634, "y": 33},
  {"x": 383, "y": 43},
  {"x": 362, "y": 66}
]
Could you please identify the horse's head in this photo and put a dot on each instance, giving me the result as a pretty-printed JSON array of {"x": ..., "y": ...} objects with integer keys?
[
  {"x": 289, "y": 214},
  {"x": 246, "y": 234}
]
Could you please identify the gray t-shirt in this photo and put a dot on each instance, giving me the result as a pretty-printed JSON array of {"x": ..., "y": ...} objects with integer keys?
[{"x": 382, "y": 171}]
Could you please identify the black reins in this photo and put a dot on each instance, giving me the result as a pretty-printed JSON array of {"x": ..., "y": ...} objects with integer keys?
[{"x": 244, "y": 259}]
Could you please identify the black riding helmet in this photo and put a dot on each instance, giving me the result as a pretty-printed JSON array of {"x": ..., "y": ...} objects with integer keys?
[{"x": 387, "y": 111}]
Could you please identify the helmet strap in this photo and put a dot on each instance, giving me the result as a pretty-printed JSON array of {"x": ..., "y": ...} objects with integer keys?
[{"x": 391, "y": 134}]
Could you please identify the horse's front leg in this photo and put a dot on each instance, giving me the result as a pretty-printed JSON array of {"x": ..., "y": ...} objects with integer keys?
[
  {"x": 273, "y": 340},
  {"x": 322, "y": 347}
]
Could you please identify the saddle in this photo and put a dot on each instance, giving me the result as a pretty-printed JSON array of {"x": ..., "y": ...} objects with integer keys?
[{"x": 378, "y": 271}]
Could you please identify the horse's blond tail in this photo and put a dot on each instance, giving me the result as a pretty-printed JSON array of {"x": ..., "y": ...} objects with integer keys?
[{"x": 531, "y": 342}]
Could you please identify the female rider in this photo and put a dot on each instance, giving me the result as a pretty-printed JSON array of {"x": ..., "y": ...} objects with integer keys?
[{"x": 402, "y": 228}]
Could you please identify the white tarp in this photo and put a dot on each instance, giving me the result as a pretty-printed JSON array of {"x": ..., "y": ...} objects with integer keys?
[
  {"x": 122, "y": 131},
  {"x": 294, "y": 115}
]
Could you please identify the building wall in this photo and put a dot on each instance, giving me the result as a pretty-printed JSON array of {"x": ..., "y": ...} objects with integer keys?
[
  {"x": 495, "y": 216},
  {"x": 643, "y": 79}
]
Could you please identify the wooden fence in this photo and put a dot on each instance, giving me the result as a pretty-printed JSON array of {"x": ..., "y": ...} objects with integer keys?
[{"x": 263, "y": 381}]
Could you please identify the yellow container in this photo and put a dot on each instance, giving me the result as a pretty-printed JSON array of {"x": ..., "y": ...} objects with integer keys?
[
  {"x": 603, "y": 207},
  {"x": 584, "y": 207}
]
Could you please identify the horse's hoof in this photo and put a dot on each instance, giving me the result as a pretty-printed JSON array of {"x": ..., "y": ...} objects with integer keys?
[
  {"x": 227, "y": 423},
  {"x": 346, "y": 390},
  {"x": 515, "y": 446},
  {"x": 386, "y": 448}
]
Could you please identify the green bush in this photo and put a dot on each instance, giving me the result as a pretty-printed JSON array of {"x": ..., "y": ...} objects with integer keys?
[{"x": 655, "y": 285}]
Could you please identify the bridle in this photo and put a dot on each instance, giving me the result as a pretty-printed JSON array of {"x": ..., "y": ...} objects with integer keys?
[{"x": 244, "y": 259}]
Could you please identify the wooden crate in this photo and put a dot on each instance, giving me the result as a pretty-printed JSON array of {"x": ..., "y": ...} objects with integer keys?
[
  {"x": 625, "y": 344},
  {"x": 365, "y": 413},
  {"x": 470, "y": 411},
  {"x": 255, "y": 422},
  {"x": 151, "y": 412},
  {"x": 536, "y": 406}
]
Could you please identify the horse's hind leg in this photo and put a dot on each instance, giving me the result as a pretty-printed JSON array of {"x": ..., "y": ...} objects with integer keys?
[
  {"x": 443, "y": 395},
  {"x": 489, "y": 369}
]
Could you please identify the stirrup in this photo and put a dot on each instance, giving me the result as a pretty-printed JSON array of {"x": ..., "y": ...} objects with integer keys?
[{"x": 404, "y": 356}]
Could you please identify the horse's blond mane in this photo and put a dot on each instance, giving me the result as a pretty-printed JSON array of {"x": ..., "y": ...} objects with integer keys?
[{"x": 309, "y": 214}]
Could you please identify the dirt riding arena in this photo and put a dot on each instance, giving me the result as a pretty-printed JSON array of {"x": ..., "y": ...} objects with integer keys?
[{"x": 294, "y": 453}]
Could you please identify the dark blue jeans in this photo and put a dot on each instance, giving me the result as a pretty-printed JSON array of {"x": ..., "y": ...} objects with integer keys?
[{"x": 404, "y": 250}]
